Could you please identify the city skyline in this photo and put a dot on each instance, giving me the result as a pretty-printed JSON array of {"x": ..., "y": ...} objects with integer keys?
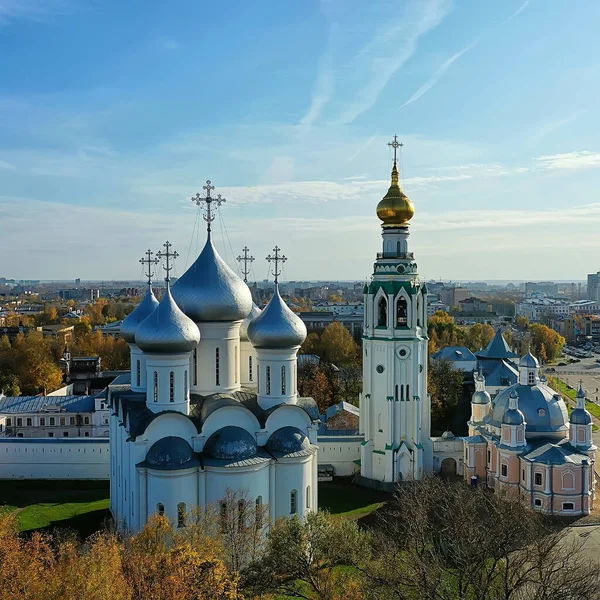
[{"x": 112, "y": 117}]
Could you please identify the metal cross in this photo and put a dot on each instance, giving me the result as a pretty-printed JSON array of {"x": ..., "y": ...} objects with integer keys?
[
  {"x": 276, "y": 258},
  {"x": 245, "y": 259},
  {"x": 395, "y": 144},
  {"x": 149, "y": 261},
  {"x": 209, "y": 215},
  {"x": 169, "y": 257}
]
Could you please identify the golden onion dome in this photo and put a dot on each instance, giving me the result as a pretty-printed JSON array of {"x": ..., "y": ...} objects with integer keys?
[{"x": 395, "y": 209}]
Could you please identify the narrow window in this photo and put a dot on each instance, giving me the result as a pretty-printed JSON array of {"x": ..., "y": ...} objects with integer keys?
[
  {"x": 160, "y": 509},
  {"x": 9, "y": 422},
  {"x": 531, "y": 378},
  {"x": 172, "y": 387},
  {"x": 52, "y": 421},
  {"x": 408, "y": 392},
  {"x": 29, "y": 422},
  {"x": 308, "y": 496},
  {"x": 258, "y": 516},
  {"x": 235, "y": 364},
  {"x": 155, "y": 386},
  {"x": 63, "y": 421},
  {"x": 523, "y": 474},
  {"x": 42, "y": 422},
  {"x": 283, "y": 380},
  {"x": 293, "y": 502},
  {"x": 181, "y": 514},
  {"x": 504, "y": 470},
  {"x": 86, "y": 420},
  {"x": 138, "y": 369},
  {"x": 489, "y": 454},
  {"x": 396, "y": 393},
  {"x": 71, "y": 420},
  {"x": 217, "y": 374},
  {"x": 382, "y": 313},
  {"x": 538, "y": 479},
  {"x": 268, "y": 381},
  {"x": 185, "y": 385},
  {"x": 401, "y": 312},
  {"x": 195, "y": 366},
  {"x": 250, "y": 368}
]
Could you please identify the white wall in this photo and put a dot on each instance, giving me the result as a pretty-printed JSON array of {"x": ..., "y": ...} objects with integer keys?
[
  {"x": 340, "y": 452},
  {"x": 54, "y": 458}
]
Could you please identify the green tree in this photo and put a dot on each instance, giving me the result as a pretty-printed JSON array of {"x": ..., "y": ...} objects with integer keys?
[
  {"x": 552, "y": 341},
  {"x": 338, "y": 345},
  {"x": 445, "y": 384}
]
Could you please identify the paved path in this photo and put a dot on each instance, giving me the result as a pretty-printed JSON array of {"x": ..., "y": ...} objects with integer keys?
[{"x": 590, "y": 535}]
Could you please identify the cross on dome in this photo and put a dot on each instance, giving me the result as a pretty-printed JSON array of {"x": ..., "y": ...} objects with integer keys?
[
  {"x": 148, "y": 261},
  {"x": 395, "y": 144},
  {"x": 276, "y": 258},
  {"x": 169, "y": 257},
  {"x": 245, "y": 258},
  {"x": 208, "y": 201}
]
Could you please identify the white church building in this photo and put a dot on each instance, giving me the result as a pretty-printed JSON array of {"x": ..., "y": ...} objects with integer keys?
[{"x": 211, "y": 402}]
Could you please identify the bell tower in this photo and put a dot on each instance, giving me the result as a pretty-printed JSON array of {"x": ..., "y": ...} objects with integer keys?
[{"x": 394, "y": 405}]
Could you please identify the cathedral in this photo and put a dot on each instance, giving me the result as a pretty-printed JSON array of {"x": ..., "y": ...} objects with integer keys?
[{"x": 211, "y": 402}]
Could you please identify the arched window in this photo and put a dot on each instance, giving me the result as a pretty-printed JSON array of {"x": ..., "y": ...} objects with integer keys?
[
  {"x": 185, "y": 384},
  {"x": 396, "y": 393},
  {"x": 250, "y": 368},
  {"x": 401, "y": 312},
  {"x": 282, "y": 380},
  {"x": 293, "y": 502},
  {"x": 402, "y": 393},
  {"x": 235, "y": 364},
  {"x": 138, "y": 369},
  {"x": 408, "y": 392},
  {"x": 530, "y": 378},
  {"x": 172, "y": 387},
  {"x": 398, "y": 248},
  {"x": 268, "y": 381},
  {"x": 308, "y": 496},
  {"x": 160, "y": 509},
  {"x": 155, "y": 386},
  {"x": 568, "y": 481},
  {"x": 382, "y": 312},
  {"x": 258, "y": 517},
  {"x": 195, "y": 366},
  {"x": 217, "y": 366},
  {"x": 181, "y": 514}
]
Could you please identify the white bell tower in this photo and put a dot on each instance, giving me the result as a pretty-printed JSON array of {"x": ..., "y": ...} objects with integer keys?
[{"x": 395, "y": 406}]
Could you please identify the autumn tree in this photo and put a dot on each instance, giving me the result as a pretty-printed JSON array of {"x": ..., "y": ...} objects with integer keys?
[
  {"x": 445, "y": 384},
  {"x": 34, "y": 365},
  {"x": 338, "y": 345},
  {"x": 552, "y": 341}
]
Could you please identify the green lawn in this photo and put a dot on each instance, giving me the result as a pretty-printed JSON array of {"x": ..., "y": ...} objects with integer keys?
[
  {"x": 345, "y": 499},
  {"x": 571, "y": 393},
  {"x": 78, "y": 505}
]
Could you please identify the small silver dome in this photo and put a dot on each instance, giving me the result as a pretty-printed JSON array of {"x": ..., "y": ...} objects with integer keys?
[
  {"x": 244, "y": 326},
  {"x": 131, "y": 322},
  {"x": 580, "y": 416},
  {"x": 170, "y": 452},
  {"x": 287, "y": 440},
  {"x": 277, "y": 326},
  {"x": 231, "y": 443},
  {"x": 529, "y": 361},
  {"x": 167, "y": 330},
  {"x": 210, "y": 291},
  {"x": 481, "y": 397},
  {"x": 513, "y": 416}
]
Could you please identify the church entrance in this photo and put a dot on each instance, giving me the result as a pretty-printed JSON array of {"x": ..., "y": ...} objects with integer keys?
[{"x": 448, "y": 468}]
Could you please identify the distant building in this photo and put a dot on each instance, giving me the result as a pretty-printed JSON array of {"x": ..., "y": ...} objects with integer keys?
[
  {"x": 316, "y": 320},
  {"x": 497, "y": 363},
  {"x": 111, "y": 330},
  {"x": 473, "y": 304},
  {"x": 537, "y": 309},
  {"x": 593, "y": 287},
  {"x": 541, "y": 287},
  {"x": 63, "y": 332},
  {"x": 433, "y": 307},
  {"x": 81, "y": 294},
  {"x": 452, "y": 296}
]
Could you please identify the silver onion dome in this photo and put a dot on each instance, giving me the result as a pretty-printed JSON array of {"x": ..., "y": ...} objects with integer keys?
[
  {"x": 244, "y": 326},
  {"x": 277, "y": 326},
  {"x": 210, "y": 291},
  {"x": 529, "y": 361},
  {"x": 167, "y": 330},
  {"x": 481, "y": 397},
  {"x": 132, "y": 321}
]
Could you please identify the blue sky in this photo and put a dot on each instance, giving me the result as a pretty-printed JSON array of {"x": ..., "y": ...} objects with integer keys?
[{"x": 113, "y": 114}]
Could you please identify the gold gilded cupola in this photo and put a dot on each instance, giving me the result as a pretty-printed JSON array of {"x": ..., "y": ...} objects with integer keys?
[{"x": 395, "y": 209}]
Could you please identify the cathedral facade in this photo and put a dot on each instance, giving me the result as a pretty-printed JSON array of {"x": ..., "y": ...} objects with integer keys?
[{"x": 211, "y": 402}]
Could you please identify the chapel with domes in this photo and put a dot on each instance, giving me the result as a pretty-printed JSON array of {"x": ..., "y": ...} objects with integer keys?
[{"x": 211, "y": 402}]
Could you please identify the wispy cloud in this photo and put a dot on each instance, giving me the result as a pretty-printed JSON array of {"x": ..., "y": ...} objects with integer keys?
[
  {"x": 168, "y": 43},
  {"x": 6, "y": 165},
  {"x": 519, "y": 10},
  {"x": 437, "y": 75},
  {"x": 33, "y": 10},
  {"x": 570, "y": 160}
]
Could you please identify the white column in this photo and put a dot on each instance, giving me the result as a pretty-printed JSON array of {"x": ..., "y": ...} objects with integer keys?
[{"x": 142, "y": 508}]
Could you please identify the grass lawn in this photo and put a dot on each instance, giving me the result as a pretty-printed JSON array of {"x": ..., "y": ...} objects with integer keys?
[
  {"x": 340, "y": 497},
  {"x": 571, "y": 393},
  {"x": 79, "y": 505}
]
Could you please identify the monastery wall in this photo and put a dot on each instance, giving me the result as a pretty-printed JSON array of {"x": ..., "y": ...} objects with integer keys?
[
  {"x": 341, "y": 452},
  {"x": 54, "y": 458}
]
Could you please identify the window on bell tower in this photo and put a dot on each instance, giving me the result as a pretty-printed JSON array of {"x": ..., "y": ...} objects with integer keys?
[
  {"x": 401, "y": 312},
  {"x": 382, "y": 312}
]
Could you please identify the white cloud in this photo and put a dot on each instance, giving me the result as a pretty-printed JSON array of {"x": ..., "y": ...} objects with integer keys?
[
  {"x": 437, "y": 75},
  {"x": 168, "y": 43},
  {"x": 519, "y": 10},
  {"x": 6, "y": 165},
  {"x": 585, "y": 159}
]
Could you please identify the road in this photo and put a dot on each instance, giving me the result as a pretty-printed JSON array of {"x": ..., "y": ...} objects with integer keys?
[
  {"x": 587, "y": 371},
  {"x": 590, "y": 535}
]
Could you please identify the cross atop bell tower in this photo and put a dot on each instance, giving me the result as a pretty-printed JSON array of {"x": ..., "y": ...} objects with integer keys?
[
  {"x": 276, "y": 258},
  {"x": 395, "y": 144},
  {"x": 207, "y": 201}
]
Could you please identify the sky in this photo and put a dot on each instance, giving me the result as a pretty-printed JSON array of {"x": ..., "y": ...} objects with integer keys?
[{"x": 113, "y": 114}]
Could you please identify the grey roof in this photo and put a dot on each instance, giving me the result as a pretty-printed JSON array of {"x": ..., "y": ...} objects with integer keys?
[
  {"x": 244, "y": 326},
  {"x": 277, "y": 326},
  {"x": 513, "y": 416},
  {"x": 497, "y": 348},
  {"x": 475, "y": 439},
  {"x": 529, "y": 361},
  {"x": 167, "y": 330},
  {"x": 35, "y": 404},
  {"x": 454, "y": 354},
  {"x": 260, "y": 458},
  {"x": 554, "y": 454},
  {"x": 143, "y": 310},
  {"x": 498, "y": 372},
  {"x": 544, "y": 412},
  {"x": 231, "y": 443},
  {"x": 171, "y": 453},
  {"x": 288, "y": 440},
  {"x": 481, "y": 397},
  {"x": 341, "y": 407},
  {"x": 580, "y": 416},
  {"x": 210, "y": 291}
]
